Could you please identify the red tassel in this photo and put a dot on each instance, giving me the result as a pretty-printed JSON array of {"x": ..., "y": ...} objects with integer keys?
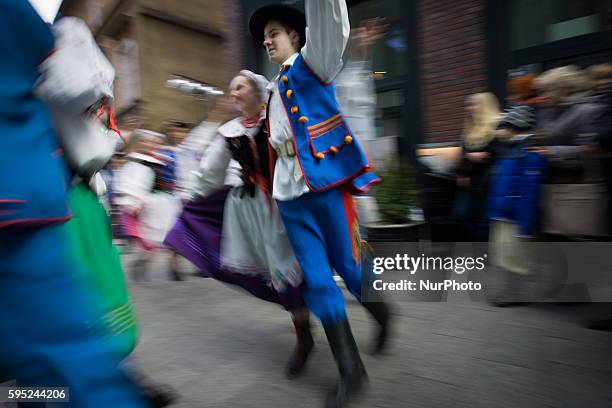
[{"x": 112, "y": 120}]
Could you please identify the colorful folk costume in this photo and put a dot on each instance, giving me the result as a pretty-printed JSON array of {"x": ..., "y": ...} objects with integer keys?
[
  {"x": 232, "y": 230},
  {"x": 45, "y": 310},
  {"x": 317, "y": 165},
  {"x": 149, "y": 206},
  {"x": 89, "y": 141}
]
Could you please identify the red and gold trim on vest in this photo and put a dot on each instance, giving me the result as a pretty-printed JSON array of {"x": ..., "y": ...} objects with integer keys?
[
  {"x": 325, "y": 126},
  {"x": 352, "y": 221}
]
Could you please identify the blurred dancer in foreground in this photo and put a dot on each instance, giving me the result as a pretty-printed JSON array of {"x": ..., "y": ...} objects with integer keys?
[
  {"x": 235, "y": 234},
  {"x": 45, "y": 310}
]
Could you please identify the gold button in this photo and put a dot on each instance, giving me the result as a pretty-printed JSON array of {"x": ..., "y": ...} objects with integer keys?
[
  {"x": 303, "y": 119},
  {"x": 333, "y": 149},
  {"x": 320, "y": 156},
  {"x": 284, "y": 79},
  {"x": 294, "y": 109},
  {"x": 348, "y": 139},
  {"x": 289, "y": 93}
]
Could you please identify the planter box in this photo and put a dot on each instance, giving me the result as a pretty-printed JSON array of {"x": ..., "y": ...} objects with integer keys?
[{"x": 410, "y": 232}]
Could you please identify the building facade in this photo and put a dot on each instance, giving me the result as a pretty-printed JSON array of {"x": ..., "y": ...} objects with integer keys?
[
  {"x": 151, "y": 41},
  {"x": 437, "y": 52}
]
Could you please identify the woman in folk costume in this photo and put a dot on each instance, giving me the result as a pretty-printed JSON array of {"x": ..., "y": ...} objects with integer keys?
[
  {"x": 235, "y": 234},
  {"x": 171, "y": 180},
  {"x": 318, "y": 165},
  {"x": 148, "y": 207},
  {"x": 45, "y": 308}
]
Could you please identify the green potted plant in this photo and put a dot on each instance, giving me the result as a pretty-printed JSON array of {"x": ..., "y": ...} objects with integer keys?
[{"x": 396, "y": 197}]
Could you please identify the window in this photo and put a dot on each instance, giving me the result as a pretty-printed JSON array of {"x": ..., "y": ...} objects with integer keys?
[
  {"x": 389, "y": 60},
  {"x": 389, "y": 55},
  {"x": 536, "y": 22},
  {"x": 389, "y": 113}
]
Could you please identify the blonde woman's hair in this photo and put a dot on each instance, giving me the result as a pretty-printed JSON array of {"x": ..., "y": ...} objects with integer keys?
[
  {"x": 481, "y": 128},
  {"x": 600, "y": 71},
  {"x": 564, "y": 80}
]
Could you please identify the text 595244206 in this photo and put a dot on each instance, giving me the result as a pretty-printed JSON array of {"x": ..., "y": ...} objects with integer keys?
[{"x": 34, "y": 394}]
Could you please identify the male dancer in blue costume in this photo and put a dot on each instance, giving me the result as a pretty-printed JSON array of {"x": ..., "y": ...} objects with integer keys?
[
  {"x": 45, "y": 314},
  {"x": 319, "y": 164}
]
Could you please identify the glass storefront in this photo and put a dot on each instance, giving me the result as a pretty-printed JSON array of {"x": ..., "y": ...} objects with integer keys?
[
  {"x": 389, "y": 56},
  {"x": 537, "y": 22},
  {"x": 389, "y": 113},
  {"x": 389, "y": 60}
]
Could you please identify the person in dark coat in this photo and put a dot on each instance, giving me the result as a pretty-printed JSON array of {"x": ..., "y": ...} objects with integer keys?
[{"x": 514, "y": 195}]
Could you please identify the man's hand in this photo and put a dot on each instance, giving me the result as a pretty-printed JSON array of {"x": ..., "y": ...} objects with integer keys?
[
  {"x": 542, "y": 150},
  {"x": 366, "y": 35},
  {"x": 478, "y": 157}
]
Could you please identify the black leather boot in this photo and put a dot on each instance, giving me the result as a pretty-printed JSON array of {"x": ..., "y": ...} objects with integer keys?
[
  {"x": 303, "y": 346},
  {"x": 380, "y": 312},
  {"x": 353, "y": 376}
]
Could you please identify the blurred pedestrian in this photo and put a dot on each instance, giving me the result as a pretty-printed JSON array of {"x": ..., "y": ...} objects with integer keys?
[
  {"x": 232, "y": 230},
  {"x": 568, "y": 110},
  {"x": 482, "y": 118},
  {"x": 317, "y": 164},
  {"x": 601, "y": 130},
  {"x": 356, "y": 95},
  {"x": 566, "y": 106},
  {"x": 514, "y": 200},
  {"x": 522, "y": 91},
  {"x": 355, "y": 87}
]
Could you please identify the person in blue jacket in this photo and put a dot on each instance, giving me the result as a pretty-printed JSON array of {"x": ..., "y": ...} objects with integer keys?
[
  {"x": 514, "y": 191},
  {"x": 46, "y": 314},
  {"x": 318, "y": 164}
]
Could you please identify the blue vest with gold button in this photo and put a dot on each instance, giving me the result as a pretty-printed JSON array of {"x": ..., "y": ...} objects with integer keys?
[{"x": 327, "y": 150}]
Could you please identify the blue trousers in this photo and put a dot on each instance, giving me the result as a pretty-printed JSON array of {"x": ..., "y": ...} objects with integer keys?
[
  {"x": 324, "y": 232},
  {"x": 45, "y": 315}
]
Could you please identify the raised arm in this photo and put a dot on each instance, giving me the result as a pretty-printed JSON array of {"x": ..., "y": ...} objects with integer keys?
[{"x": 327, "y": 34}]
